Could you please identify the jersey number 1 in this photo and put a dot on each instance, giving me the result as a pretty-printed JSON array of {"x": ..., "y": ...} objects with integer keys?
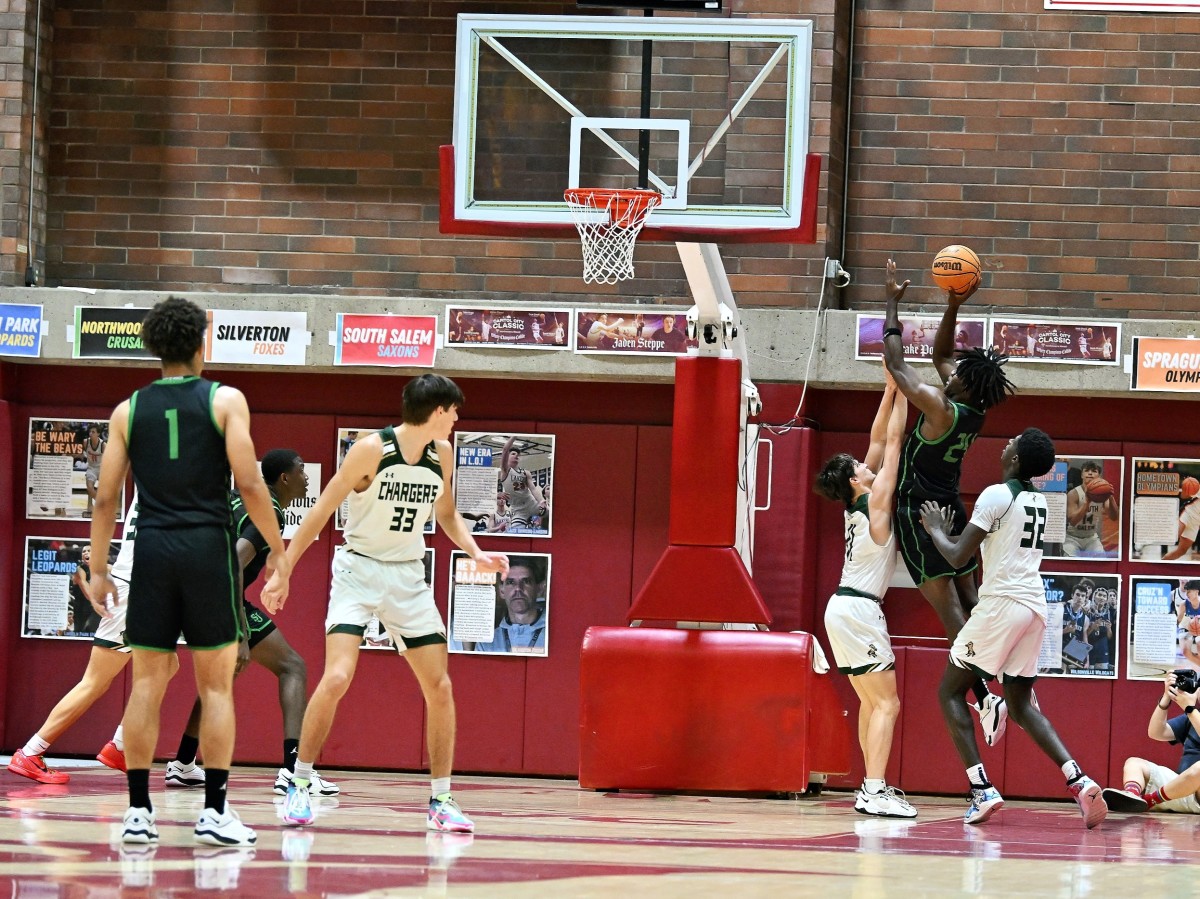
[
  {"x": 172, "y": 416},
  {"x": 1035, "y": 527}
]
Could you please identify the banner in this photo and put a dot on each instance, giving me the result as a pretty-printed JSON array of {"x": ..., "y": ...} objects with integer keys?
[
  {"x": 490, "y": 615},
  {"x": 514, "y": 329},
  {"x": 1054, "y": 340},
  {"x": 1159, "y": 6},
  {"x": 502, "y": 482},
  {"x": 109, "y": 332},
  {"x": 633, "y": 332},
  {"x": 1165, "y": 523},
  {"x": 56, "y": 588},
  {"x": 394, "y": 341},
  {"x": 1083, "y": 502},
  {"x": 1164, "y": 626},
  {"x": 917, "y": 336},
  {"x": 64, "y": 468},
  {"x": 1166, "y": 363},
  {"x": 1083, "y": 625},
  {"x": 249, "y": 337},
  {"x": 20, "y": 330}
]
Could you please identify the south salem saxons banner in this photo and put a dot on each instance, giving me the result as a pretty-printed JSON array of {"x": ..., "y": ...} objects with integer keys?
[
  {"x": 1166, "y": 363},
  {"x": 396, "y": 341},
  {"x": 247, "y": 337}
]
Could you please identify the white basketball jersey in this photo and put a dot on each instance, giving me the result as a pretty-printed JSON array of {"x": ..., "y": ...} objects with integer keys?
[
  {"x": 868, "y": 566},
  {"x": 387, "y": 520},
  {"x": 521, "y": 503},
  {"x": 1087, "y": 525},
  {"x": 122, "y": 568},
  {"x": 1014, "y": 516}
]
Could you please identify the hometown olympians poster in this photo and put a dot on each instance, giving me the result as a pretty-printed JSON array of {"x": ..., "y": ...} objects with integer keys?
[
  {"x": 56, "y": 603},
  {"x": 64, "y": 468},
  {"x": 1166, "y": 510}
]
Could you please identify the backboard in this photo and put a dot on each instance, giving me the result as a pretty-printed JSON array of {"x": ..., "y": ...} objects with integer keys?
[{"x": 721, "y": 128}]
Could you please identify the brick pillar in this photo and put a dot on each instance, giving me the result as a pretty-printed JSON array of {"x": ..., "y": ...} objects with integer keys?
[{"x": 18, "y": 25}]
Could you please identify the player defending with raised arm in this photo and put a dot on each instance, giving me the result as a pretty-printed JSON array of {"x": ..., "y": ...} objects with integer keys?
[
  {"x": 931, "y": 462},
  {"x": 181, "y": 436},
  {"x": 1003, "y": 636},
  {"x": 854, "y": 617},
  {"x": 394, "y": 478}
]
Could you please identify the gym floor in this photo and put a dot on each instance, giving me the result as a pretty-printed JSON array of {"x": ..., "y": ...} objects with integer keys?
[{"x": 548, "y": 837}]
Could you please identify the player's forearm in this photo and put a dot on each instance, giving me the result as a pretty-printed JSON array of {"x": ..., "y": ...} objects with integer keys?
[
  {"x": 104, "y": 523},
  {"x": 943, "y": 341},
  {"x": 456, "y": 529},
  {"x": 953, "y": 551}
]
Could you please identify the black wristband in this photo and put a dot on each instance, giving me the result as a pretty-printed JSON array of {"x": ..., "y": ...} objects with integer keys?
[
  {"x": 1189, "y": 710},
  {"x": 888, "y": 332}
]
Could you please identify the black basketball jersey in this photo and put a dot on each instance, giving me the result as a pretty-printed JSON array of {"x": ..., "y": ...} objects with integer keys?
[
  {"x": 930, "y": 469},
  {"x": 245, "y": 529},
  {"x": 177, "y": 454}
]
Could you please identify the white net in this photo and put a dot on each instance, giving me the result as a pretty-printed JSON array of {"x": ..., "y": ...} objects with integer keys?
[{"x": 609, "y": 222}]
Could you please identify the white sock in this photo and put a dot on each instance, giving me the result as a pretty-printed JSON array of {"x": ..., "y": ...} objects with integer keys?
[
  {"x": 119, "y": 737},
  {"x": 1071, "y": 770},
  {"x": 871, "y": 785},
  {"x": 304, "y": 772},
  {"x": 438, "y": 786},
  {"x": 977, "y": 776},
  {"x": 35, "y": 746}
]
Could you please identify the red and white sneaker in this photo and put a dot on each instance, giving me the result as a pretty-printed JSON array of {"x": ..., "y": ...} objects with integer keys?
[
  {"x": 1092, "y": 806},
  {"x": 111, "y": 756},
  {"x": 33, "y": 767}
]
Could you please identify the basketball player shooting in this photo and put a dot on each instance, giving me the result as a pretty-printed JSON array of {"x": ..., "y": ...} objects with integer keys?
[{"x": 950, "y": 419}]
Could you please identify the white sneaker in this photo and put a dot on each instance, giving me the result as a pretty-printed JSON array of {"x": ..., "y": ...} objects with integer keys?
[
  {"x": 993, "y": 716},
  {"x": 223, "y": 830},
  {"x": 860, "y": 801},
  {"x": 889, "y": 803},
  {"x": 181, "y": 775},
  {"x": 138, "y": 826},
  {"x": 317, "y": 786}
]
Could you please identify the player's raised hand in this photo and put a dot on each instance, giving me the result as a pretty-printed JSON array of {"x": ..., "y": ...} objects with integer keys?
[
  {"x": 958, "y": 297},
  {"x": 275, "y": 593},
  {"x": 933, "y": 517},
  {"x": 894, "y": 291},
  {"x": 497, "y": 562}
]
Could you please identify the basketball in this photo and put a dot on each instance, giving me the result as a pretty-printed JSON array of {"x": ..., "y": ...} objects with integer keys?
[
  {"x": 956, "y": 268},
  {"x": 1098, "y": 490},
  {"x": 1189, "y": 487}
]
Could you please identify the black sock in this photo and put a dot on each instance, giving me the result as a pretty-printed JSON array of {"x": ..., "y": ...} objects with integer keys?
[
  {"x": 139, "y": 788},
  {"x": 188, "y": 746},
  {"x": 979, "y": 688},
  {"x": 291, "y": 749},
  {"x": 215, "y": 780}
]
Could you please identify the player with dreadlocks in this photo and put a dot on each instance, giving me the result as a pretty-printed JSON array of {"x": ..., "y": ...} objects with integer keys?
[{"x": 931, "y": 462}]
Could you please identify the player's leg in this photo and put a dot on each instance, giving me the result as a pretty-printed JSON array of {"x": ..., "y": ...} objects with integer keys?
[
  {"x": 214, "y": 686},
  {"x": 184, "y": 770},
  {"x": 877, "y": 690},
  {"x": 152, "y": 671},
  {"x": 102, "y": 667},
  {"x": 429, "y": 662}
]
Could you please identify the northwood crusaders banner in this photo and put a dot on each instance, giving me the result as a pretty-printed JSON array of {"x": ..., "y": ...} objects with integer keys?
[{"x": 109, "y": 332}]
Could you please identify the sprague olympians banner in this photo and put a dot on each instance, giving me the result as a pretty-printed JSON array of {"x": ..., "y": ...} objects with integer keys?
[
  {"x": 109, "y": 332},
  {"x": 248, "y": 337},
  {"x": 20, "y": 330},
  {"x": 1166, "y": 363},
  {"x": 1161, "y": 6},
  {"x": 394, "y": 341}
]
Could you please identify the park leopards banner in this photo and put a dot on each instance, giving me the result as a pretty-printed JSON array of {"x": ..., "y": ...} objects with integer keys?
[{"x": 20, "y": 330}]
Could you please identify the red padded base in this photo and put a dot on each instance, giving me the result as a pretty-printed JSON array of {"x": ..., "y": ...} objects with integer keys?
[
  {"x": 700, "y": 583},
  {"x": 715, "y": 711}
]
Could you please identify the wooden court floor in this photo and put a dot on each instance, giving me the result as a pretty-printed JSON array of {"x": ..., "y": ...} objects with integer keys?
[{"x": 549, "y": 838}]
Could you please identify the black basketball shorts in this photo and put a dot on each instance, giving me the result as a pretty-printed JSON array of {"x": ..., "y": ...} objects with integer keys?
[
  {"x": 185, "y": 581},
  {"x": 921, "y": 557}
]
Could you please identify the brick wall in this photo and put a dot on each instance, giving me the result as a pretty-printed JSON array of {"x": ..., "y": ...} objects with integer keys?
[
  {"x": 1063, "y": 147},
  {"x": 292, "y": 146},
  {"x": 18, "y": 25}
]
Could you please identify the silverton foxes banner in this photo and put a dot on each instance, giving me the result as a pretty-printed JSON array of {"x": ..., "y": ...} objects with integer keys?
[
  {"x": 1166, "y": 363},
  {"x": 396, "y": 341},
  {"x": 250, "y": 337}
]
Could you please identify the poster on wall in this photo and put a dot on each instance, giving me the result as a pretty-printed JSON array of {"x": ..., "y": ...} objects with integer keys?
[
  {"x": 346, "y": 438},
  {"x": 254, "y": 337},
  {"x": 1170, "y": 364},
  {"x": 493, "y": 615},
  {"x": 632, "y": 332},
  {"x": 1166, "y": 510},
  {"x": 502, "y": 482},
  {"x": 21, "y": 329},
  {"x": 1083, "y": 617},
  {"x": 376, "y": 635},
  {"x": 917, "y": 333},
  {"x": 1164, "y": 626},
  {"x": 1083, "y": 502},
  {"x": 64, "y": 468},
  {"x": 295, "y": 512},
  {"x": 109, "y": 332},
  {"x": 508, "y": 329},
  {"x": 1158, "y": 6},
  {"x": 1057, "y": 341},
  {"x": 56, "y": 603},
  {"x": 390, "y": 341}
]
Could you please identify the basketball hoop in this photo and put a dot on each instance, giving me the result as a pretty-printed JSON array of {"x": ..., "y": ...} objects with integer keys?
[{"x": 609, "y": 222}]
